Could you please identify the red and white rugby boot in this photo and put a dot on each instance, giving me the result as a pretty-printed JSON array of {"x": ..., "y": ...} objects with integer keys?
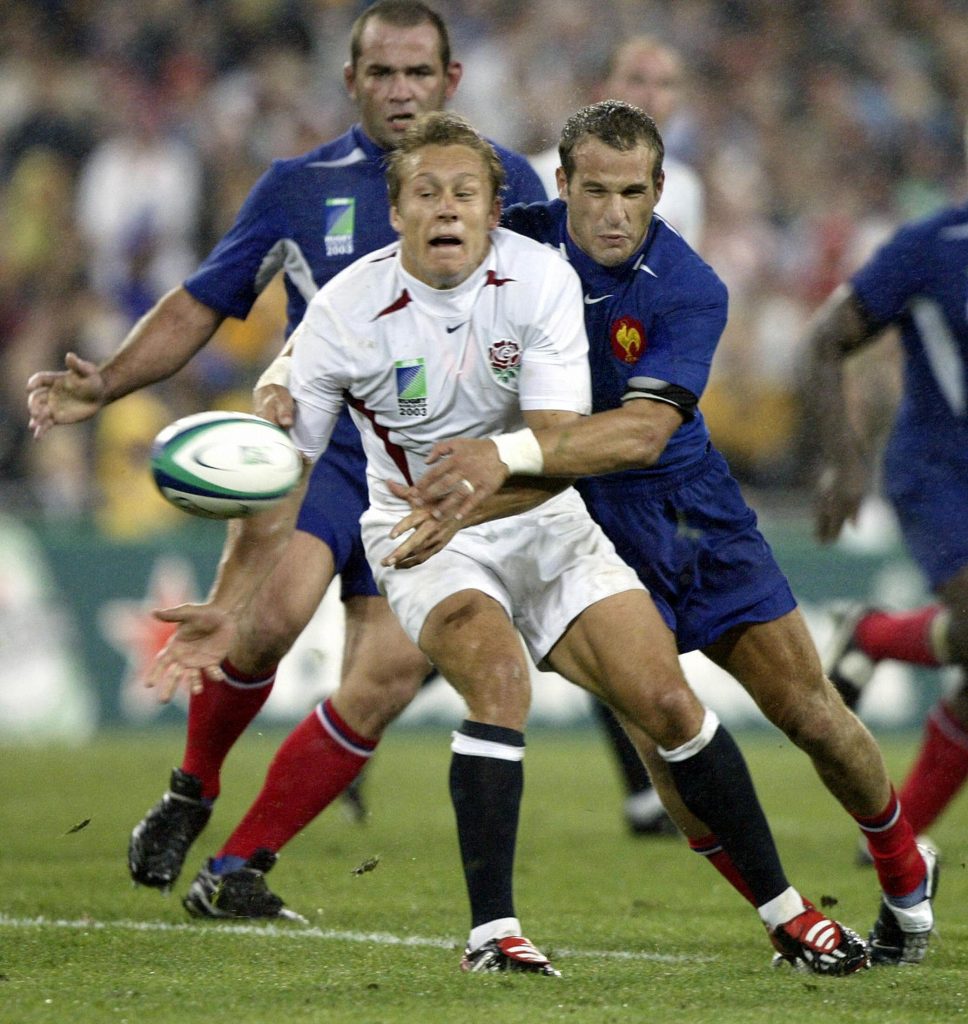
[
  {"x": 511, "y": 953},
  {"x": 818, "y": 944}
]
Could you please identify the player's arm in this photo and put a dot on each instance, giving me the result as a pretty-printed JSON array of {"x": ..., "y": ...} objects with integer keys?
[
  {"x": 466, "y": 472},
  {"x": 426, "y": 531},
  {"x": 839, "y": 329},
  {"x": 252, "y": 548},
  {"x": 158, "y": 345},
  {"x": 205, "y": 632}
]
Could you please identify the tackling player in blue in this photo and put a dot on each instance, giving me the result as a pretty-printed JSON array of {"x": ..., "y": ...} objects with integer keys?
[{"x": 654, "y": 312}]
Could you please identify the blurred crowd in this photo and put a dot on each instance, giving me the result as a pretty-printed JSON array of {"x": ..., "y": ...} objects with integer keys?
[{"x": 130, "y": 133}]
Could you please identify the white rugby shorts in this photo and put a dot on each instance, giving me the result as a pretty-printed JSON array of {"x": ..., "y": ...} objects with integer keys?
[{"x": 544, "y": 567}]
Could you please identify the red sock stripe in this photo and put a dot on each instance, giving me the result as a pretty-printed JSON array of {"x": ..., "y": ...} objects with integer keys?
[
  {"x": 706, "y": 846},
  {"x": 885, "y": 820},
  {"x": 338, "y": 730}
]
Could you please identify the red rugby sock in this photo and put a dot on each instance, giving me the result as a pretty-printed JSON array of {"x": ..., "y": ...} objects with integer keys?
[
  {"x": 939, "y": 771},
  {"x": 903, "y": 636},
  {"x": 217, "y": 717},
  {"x": 890, "y": 839},
  {"x": 709, "y": 847},
  {"x": 315, "y": 763}
]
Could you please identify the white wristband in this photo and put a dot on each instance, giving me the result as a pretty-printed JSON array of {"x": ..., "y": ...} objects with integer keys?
[
  {"x": 520, "y": 452},
  {"x": 277, "y": 372}
]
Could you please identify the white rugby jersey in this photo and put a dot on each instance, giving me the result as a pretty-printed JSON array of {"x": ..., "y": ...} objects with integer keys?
[{"x": 417, "y": 365}]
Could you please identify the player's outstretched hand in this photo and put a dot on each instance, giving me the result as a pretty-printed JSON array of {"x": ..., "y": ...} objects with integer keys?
[
  {"x": 463, "y": 474},
  {"x": 202, "y": 639},
  {"x": 427, "y": 535},
  {"x": 274, "y": 403},
  {"x": 838, "y": 494},
  {"x": 64, "y": 396}
]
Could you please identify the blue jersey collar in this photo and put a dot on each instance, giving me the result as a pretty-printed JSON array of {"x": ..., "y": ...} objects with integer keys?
[
  {"x": 361, "y": 139},
  {"x": 591, "y": 272}
]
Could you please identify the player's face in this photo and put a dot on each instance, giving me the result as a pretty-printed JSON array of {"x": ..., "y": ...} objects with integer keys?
[
  {"x": 610, "y": 199},
  {"x": 444, "y": 214},
  {"x": 399, "y": 75},
  {"x": 647, "y": 76}
]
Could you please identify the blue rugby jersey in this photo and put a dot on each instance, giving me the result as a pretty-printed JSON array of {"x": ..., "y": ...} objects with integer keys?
[
  {"x": 659, "y": 315},
  {"x": 918, "y": 280},
  {"x": 310, "y": 217},
  {"x": 682, "y": 524}
]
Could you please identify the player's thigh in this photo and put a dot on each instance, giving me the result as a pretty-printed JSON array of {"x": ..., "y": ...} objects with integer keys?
[
  {"x": 288, "y": 597},
  {"x": 470, "y": 639},
  {"x": 382, "y": 667},
  {"x": 954, "y": 594},
  {"x": 621, "y": 650}
]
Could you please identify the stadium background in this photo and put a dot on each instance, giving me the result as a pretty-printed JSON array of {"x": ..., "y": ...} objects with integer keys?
[{"x": 129, "y": 135}]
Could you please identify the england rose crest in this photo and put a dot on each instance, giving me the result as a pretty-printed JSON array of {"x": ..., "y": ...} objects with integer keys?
[{"x": 505, "y": 359}]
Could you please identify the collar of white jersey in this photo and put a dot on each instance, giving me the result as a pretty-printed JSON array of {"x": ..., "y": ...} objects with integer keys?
[{"x": 448, "y": 302}]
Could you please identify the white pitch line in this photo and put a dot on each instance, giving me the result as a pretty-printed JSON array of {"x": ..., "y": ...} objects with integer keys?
[{"x": 324, "y": 934}]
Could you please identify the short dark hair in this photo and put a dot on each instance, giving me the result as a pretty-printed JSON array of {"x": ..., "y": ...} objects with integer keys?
[
  {"x": 402, "y": 14},
  {"x": 619, "y": 125},
  {"x": 441, "y": 128}
]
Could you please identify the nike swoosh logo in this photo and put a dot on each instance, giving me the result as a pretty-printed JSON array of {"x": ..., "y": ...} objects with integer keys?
[
  {"x": 589, "y": 301},
  {"x": 450, "y": 330}
]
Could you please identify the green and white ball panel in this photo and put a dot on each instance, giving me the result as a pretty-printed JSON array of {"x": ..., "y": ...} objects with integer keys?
[{"x": 224, "y": 465}]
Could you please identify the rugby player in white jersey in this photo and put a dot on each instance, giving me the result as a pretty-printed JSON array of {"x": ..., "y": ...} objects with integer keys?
[{"x": 464, "y": 329}]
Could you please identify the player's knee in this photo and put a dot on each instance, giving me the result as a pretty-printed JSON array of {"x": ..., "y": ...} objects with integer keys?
[
  {"x": 498, "y": 691},
  {"x": 811, "y": 716},
  {"x": 672, "y": 715},
  {"x": 268, "y": 639}
]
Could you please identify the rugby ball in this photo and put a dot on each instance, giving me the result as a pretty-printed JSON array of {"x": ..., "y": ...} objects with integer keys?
[{"x": 224, "y": 465}]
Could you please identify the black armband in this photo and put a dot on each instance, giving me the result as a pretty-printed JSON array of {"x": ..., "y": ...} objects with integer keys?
[{"x": 662, "y": 391}]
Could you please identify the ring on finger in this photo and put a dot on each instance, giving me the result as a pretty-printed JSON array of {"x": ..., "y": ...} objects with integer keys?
[{"x": 466, "y": 486}]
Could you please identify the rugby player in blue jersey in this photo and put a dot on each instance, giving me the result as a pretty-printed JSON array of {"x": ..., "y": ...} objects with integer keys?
[
  {"x": 308, "y": 217},
  {"x": 916, "y": 282},
  {"x": 654, "y": 313}
]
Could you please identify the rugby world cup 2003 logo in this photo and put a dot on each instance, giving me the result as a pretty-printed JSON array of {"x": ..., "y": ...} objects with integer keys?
[
  {"x": 411, "y": 377},
  {"x": 340, "y": 222},
  {"x": 628, "y": 339},
  {"x": 504, "y": 358}
]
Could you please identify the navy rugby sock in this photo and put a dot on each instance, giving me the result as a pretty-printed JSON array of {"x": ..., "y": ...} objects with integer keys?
[
  {"x": 715, "y": 784},
  {"x": 486, "y": 783}
]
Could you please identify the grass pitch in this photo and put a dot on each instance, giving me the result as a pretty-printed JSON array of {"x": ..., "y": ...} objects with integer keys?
[{"x": 640, "y": 928}]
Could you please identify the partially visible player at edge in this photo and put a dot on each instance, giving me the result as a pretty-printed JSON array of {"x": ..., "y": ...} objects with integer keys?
[
  {"x": 308, "y": 217},
  {"x": 466, "y": 328},
  {"x": 915, "y": 282},
  {"x": 654, "y": 313}
]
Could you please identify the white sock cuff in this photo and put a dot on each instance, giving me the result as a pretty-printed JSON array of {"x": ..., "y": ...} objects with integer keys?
[
  {"x": 707, "y": 730},
  {"x": 499, "y": 928},
  {"x": 464, "y": 744},
  {"x": 782, "y": 908}
]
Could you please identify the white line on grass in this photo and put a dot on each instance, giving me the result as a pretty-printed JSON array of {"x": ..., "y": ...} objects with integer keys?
[{"x": 295, "y": 932}]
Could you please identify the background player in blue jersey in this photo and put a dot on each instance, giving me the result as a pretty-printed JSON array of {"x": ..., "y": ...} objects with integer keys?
[
  {"x": 309, "y": 217},
  {"x": 918, "y": 283},
  {"x": 654, "y": 312}
]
